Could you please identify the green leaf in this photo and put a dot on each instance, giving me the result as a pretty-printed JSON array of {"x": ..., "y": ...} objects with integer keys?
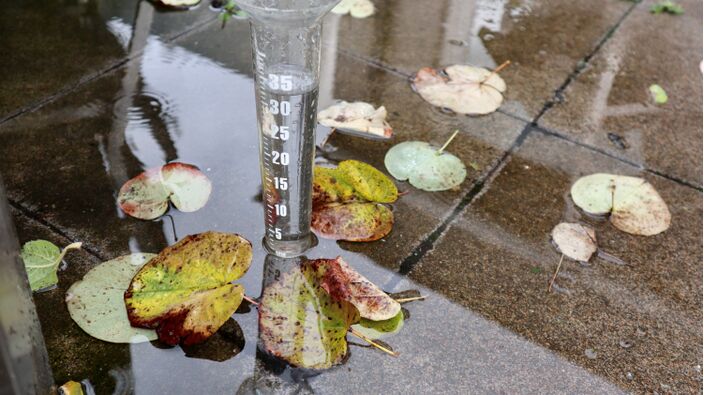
[
  {"x": 71, "y": 388},
  {"x": 667, "y": 6},
  {"x": 633, "y": 204},
  {"x": 425, "y": 168},
  {"x": 346, "y": 202},
  {"x": 379, "y": 329},
  {"x": 659, "y": 94},
  {"x": 41, "y": 260},
  {"x": 185, "y": 293},
  {"x": 301, "y": 324},
  {"x": 147, "y": 195},
  {"x": 96, "y": 303},
  {"x": 343, "y": 283}
]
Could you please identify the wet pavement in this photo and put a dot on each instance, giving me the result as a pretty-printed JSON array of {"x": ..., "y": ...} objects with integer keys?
[{"x": 122, "y": 86}]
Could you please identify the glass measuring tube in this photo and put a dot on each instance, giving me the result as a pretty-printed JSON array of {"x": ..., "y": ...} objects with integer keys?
[{"x": 286, "y": 38}]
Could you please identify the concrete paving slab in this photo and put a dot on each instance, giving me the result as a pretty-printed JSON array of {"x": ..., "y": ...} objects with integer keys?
[
  {"x": 544, "y": 39},
  {"x": 610, "y": 107},
  {"x": 637, "y": 325}
]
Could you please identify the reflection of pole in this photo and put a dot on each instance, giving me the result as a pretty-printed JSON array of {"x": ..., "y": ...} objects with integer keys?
[
  {"x": 272, "y": 375},
  {"x": 128, "y": 89}
]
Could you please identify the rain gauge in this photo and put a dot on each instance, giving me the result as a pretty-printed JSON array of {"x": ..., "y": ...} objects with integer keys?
[{"x": 286, "y": 38}]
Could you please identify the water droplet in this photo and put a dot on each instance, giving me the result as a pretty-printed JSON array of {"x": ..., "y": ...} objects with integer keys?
[
  {"x": 630, "y": 376},
  {"x": 488, "y": 37},
  {"x": 590, "y": 353},
  {"x": 625, "y": 344}
]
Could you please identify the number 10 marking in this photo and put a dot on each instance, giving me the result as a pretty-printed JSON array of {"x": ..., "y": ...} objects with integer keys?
[{"x": 281, "y": 210}]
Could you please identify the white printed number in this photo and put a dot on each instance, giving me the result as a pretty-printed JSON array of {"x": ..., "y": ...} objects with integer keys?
[
  {"x": 280, "y": 132},
  {"x": 280, "y": 82},
  {"x": 277, "y": 233},
  {"x": 281, "y": 210},
  {"x": 281, "y": 183},
  {"x": 283, "y": 108},
  {"x": 280, "y": 158}
]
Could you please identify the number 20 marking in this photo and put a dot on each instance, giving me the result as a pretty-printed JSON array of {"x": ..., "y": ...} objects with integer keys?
[{"x": 280, "y": 158}]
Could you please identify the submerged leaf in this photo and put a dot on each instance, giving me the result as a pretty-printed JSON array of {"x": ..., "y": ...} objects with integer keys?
[
  {"x": 96, "y": 302},
  {"x": 356, "y": 8},
  {"x": 346, "y": 202},
  {"x": 378, "y": 329},
  {"x": 461, "y": 88},
  {"x": 41, "y": 260},
  {"x": 301, "y": 324},
  {"x": 634, "y": 204},
  {"x": 576, "y": 241},
  {"x": 227, "y": 342},
  {"x": 344, "y": 283},
  {"x": 147, "y": 195},
  {"x": 659, "y": 94},
  {"x": 352, "y": 221},
  {"x": 425, "y": 168},
  {"x": 357, "y": 117},
  {"x": 185, "y": 292}
]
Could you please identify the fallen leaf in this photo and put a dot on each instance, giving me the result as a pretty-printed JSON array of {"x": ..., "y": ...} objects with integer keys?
[
  {"x": 346, "y": 202},
  {"x": 352, "y": 221},
  {"x": 71, "y": 388},
  {"x": 667, "y": 6},
  {"x": 147, "y": 195},
  {"x": 424, "y": 167},
  {"x": 356, "y": 8},
  {"x": 461, "y": 88},
  {"x": 633, "y": 204},
  {"x": 344, "y": 284},
  {"x": 41, "y": 260},
  {"x": 659, "y": 94},
  {"x": 576, "y": 241},
  {"x": 178, "y": 3},
  {"x": 378, "y": 329},
  {"x": 407, "y": 294},
  {"x": 96, "y": 302},
  {"x": 301, "y": 324},
  {"x": 185, "y": 293},
  {"x": 356, "y": 117}
]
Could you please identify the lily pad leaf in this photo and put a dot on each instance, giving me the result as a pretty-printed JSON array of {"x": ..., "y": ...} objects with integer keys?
[
  {"x": 461, "y": 88},
  {"x": 659, "y": 94},
  {"x": 300, "y": 323},
  {"x": 576, "y": 241},
  {"x": 346, "y": 202},
  {"x": 147, "y": 195},
  {"x": 41, "y": 260},
  {"x": 424, "y": 167},
  {"x": 358, "y": 117},
  {"x": 96, "y": 302},
  {"x": 185, "y": 293},
  {"x": 356, "y": 8},
  {"x": 633, "y": 203},
  {"x": 344, "y": 283},
  {"x": 352, "y": 221},
  {"x": 378, "y": 329}
]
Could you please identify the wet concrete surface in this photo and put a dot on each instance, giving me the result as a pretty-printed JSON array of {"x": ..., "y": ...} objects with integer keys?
[
  {"x": 187, "y": 94},
  {"x": 643, "y": 318},
  {"x": 609, "y": 105}
]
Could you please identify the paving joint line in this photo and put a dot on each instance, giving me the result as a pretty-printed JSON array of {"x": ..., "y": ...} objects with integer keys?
[
  {"x": 94, "y": 76},
  {"x": 428, "y": 243},
  {"x": 53, "y": 228},
  {"x": 373, "y": 62},
  {"x": 637, "y": 165},
  {"x": 582, "y": 64}
]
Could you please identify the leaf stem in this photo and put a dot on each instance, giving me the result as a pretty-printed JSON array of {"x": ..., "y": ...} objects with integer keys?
[
  {"x": 447, "y": 142},
  {"x": 404, "y": 300},
  {"x": 373, "y": 343},
  {"x": 497, "y": 70},
  {"x": 554, "y": 276},
  {"x": 72, "y": 246},
  {"x": 250, "y": 300}
]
